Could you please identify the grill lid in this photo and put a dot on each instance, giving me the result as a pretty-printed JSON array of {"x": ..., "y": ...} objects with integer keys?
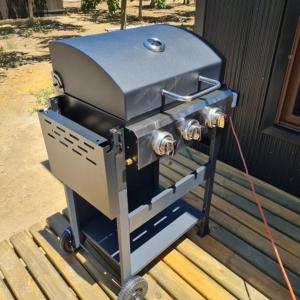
[{"x": 123, "y": 72}]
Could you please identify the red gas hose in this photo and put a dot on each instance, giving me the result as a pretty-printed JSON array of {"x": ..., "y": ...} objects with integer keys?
[{"x": 261, "y": 212}]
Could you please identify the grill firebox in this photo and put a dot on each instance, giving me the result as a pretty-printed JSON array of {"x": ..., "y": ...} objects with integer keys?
[{"x": 128, "y": 99}]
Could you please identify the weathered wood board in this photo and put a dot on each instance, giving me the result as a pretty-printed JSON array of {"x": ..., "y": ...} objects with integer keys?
[{"x": 235, "y": 261}]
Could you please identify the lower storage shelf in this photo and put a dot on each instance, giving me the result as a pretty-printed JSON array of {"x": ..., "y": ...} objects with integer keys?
[{"x": 149, "y": 240}]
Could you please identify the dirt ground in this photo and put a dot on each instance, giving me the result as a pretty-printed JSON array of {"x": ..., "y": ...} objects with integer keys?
[{"x": 28, "y": 192}]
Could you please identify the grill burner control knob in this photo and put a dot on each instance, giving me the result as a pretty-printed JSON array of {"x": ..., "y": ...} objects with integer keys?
[
  {"x": 190, "y": 130},
  {"x": 213, "y": 116},
  {"x": 163, "y": 143}
]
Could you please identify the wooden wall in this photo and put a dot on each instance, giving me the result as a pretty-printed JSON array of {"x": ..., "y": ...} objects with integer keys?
[
  {"x": 247, "y": 32},
  {"x": 17, "y": 8},
  {"x": 12, "y": 9},
  {"x": 3, "y": 10},
  {"x": 54, "y": 5}
]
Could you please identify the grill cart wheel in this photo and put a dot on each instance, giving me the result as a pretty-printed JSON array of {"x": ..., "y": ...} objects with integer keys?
[
  {"x": 67, "y": 241},
  {"x": 134, "y": 289}
]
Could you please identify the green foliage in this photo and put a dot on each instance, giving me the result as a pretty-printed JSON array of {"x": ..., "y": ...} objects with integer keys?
[
  {"x": 8, "y": 59},
  {"x": 87, "y": 5},
  {"x": 158, "y": 3},
  {"x": 2, "y": 57},
  {"x": 113, "y": 6},
  {"x": 42, "y": 98}
]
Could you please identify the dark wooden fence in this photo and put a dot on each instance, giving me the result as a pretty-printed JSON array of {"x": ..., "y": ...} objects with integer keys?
[
  {"x": 13, "y": 9},
  {"x": 255, "y": 37}
]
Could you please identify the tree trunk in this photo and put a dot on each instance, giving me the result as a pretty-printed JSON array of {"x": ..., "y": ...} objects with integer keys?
[
  {"x": 123, "y": 14},
  {"x": 3, "y": 10},
  {"x": 152, "y": 3},
  {"x": 199, "y": 17},
  {"x": 140, "y": 10},
  {"x": 30, "y": 9}
]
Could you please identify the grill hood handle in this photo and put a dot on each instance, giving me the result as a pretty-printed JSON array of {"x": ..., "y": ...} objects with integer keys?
[{"x": 215, "y": 84}]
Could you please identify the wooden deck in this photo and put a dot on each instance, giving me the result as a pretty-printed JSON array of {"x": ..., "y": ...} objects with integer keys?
[{"x": 234, "y": 262}]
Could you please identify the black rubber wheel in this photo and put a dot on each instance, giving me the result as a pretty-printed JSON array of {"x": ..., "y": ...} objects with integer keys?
[
  {"x": 67, "y": 241},
  {"x": 134, "y": 289}
]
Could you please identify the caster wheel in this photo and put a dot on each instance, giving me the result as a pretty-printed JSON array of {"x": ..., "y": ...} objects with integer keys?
[
  {"x": 134, "y": 289},
  {"x": 67, "y": 241}
]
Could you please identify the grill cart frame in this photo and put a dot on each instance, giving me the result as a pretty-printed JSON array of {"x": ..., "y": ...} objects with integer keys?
[
  {"x": 162, "y": 205},
  {"x": 105, "y": 134}
]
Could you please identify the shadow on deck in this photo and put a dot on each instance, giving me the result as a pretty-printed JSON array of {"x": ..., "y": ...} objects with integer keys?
[{"x": 234, "y": 261}]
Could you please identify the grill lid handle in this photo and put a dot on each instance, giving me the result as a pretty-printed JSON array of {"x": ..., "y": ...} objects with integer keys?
[
  {"x": 215, "y": 84},
  {"x": 155, "y": 44}
]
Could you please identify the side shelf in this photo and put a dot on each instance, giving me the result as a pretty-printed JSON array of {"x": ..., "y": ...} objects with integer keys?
[{"x": 74, "y": 150}]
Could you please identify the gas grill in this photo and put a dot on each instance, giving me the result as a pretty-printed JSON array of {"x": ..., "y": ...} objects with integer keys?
[{"x": 126, "y": 100}]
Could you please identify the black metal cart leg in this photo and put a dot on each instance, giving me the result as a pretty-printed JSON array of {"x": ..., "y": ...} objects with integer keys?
[
  {"x": 213, "y": 154},
  {"x": 124, "y": 238},
  {"x": 123, "y": 229},
  {"x": 73, "y": 216}
]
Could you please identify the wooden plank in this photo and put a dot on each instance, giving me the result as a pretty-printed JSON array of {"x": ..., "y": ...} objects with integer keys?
[
  {"x": 251, "y": 237},
  {"x": 41, "y": 269},
  {"x": 282, "y": 240},
  {"x": 272, "y": 206},
  {"x": 5, "y": 294},
  {"x": 243, "y": 284},
  {"x": 19, "y": 280},
  {"x": 223, "y": 275},
  {"x": 58, "y": 223},
  {"x": 252, "y": 255},
  {"x": 100, "y": 273},
  {"x": 282, "y": 225},
  {"x": 262, "y": 243},
  {"x": 240, "y": 266},
  {"x": 69, "y": 267},
  {"x": 173, "y": 283},
  {"x": 267, "y": 203},
  {"x": 155, "y": 291},
  {"x": 263, "y": 188},
  {"x": 195, "y": 277},
  {"x": 276, "y": 222},
  {"x": 94, "y": 261},
  {"x": 104, "y": 275}
]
